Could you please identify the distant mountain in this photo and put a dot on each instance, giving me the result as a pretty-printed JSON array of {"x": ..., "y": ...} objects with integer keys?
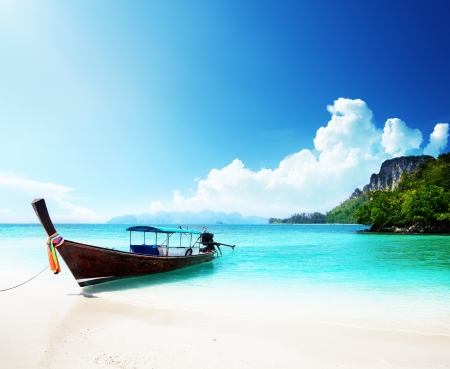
[{"x": 187, "y": 217}]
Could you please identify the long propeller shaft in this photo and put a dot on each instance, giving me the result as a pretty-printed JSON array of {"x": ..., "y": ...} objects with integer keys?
[{"x": 219, "y": 244}]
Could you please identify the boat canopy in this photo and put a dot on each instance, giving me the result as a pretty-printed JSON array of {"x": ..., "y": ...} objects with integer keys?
[{"x": 162, "y": 230}]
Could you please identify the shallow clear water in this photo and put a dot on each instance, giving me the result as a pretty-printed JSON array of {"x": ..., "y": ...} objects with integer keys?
[{"x": 327, "y": 273}]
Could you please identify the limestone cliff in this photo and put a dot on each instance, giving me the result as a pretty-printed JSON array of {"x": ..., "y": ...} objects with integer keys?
[
  {"x": 390, "y": 173},
  {"x": 388, "y": 178}
]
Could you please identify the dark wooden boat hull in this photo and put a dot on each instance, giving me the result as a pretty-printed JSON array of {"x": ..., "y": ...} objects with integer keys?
[{"x": 92, "y": 265}]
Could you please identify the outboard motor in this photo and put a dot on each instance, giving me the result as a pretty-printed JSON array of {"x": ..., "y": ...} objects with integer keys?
[{"x": 207, "y": 240}]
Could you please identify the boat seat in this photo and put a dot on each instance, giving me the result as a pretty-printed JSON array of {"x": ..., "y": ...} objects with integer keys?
[{"x": 144, "y": 249}]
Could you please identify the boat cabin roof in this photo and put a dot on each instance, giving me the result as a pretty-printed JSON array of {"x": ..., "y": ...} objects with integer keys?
[{"x": 162, "y": 230}]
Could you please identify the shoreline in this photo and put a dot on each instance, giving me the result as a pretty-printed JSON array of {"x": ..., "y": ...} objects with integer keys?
[
  {"x": 442, "y": 227},
  {"x": 384, "y": 231},
  {"x": 73, "y": 330}
]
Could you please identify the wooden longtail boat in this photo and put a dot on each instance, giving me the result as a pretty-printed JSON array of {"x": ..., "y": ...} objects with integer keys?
[{"x": 92, "y": 264}]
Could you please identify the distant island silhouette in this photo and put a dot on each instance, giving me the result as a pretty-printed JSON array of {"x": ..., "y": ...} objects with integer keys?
[{"x": 187, "y": 217}]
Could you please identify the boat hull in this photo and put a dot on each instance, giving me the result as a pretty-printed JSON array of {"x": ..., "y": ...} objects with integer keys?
[{"x": 92, "y": 265}]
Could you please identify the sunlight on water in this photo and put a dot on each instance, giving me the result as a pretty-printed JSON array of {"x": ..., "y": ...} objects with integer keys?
[{"x": 326, "y": 272}]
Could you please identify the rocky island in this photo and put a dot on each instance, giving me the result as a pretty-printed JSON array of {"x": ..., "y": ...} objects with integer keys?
[
  {"x": 410, "y": 194},
  {"x": 415, "y": 201},
  {"x": 387, "y": 179}
]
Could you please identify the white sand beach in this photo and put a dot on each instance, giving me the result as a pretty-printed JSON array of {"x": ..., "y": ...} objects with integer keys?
[{"x": 76, "y": 330}]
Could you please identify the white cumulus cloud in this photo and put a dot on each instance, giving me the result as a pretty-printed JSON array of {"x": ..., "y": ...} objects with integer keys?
[
  {"x": 399, "y": 140},
  {"x": 438, "y": 140},
  {"x": 348, "y": 150},
  {"x": 350, "y": 127}
]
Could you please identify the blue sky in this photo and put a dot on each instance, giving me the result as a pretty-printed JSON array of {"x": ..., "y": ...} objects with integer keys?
[{"x": 108, "y": 107}]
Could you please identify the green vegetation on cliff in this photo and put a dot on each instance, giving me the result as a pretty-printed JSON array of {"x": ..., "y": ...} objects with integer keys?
[
  {"x": 344, "y": 213},
  {"x": 422, "y": 197}
]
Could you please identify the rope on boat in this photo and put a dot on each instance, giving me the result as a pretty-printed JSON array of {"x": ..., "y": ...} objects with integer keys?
[
  {"x": 6, "y": 289},
  {"x": 53, "y": 242}
]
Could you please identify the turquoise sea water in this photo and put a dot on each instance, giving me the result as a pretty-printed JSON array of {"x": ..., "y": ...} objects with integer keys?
[{"x": 328, "y": 273}]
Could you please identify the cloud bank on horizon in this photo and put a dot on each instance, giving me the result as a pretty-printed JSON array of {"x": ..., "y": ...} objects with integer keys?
[{"x": 347, "y": 151}]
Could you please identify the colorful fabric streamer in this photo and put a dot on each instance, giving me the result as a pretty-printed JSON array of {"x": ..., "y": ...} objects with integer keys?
[{"x": 54, "y": 241}]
